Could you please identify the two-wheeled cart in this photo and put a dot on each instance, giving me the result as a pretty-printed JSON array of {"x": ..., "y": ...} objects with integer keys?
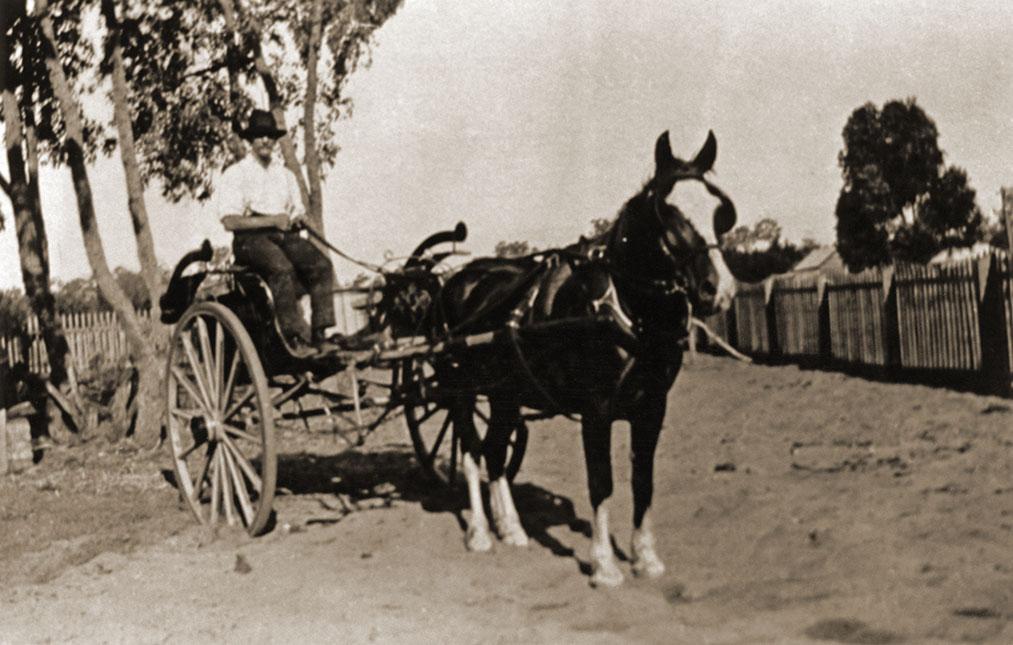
[{"x": 230, "y": 372}]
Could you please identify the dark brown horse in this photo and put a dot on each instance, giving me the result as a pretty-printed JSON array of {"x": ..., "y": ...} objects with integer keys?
[{"x": 597, "y": 331}]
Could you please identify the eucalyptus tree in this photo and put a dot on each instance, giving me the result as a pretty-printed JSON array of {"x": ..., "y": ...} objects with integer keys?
[
  {"x": 32, "y": 128},
  {"x": 192, "y": 69},
  {"x": 899, "y": 201}
]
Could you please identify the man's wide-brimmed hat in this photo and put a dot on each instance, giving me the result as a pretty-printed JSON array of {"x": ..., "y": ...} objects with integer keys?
[{"x": 261, "y": 125}]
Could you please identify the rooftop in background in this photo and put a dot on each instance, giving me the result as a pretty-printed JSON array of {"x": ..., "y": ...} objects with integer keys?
[
  {"x": 959, "y": 253},
  {"x": 822, "y": 258}
]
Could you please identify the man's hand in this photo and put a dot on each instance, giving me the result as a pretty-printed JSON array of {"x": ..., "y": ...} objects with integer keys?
[{"x": 297, "y": 223}]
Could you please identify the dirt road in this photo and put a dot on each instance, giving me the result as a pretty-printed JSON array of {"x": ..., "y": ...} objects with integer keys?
[{"x": 792, "y": 506}]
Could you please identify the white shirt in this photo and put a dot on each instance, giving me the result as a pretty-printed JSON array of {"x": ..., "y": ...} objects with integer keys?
[{"x": 248, "y": 186}]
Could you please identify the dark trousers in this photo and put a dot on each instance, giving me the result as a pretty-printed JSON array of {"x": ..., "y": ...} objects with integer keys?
[{"x": 292, "y": 266}]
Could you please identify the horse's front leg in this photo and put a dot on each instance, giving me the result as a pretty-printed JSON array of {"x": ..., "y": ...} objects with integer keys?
[
  {"x": 477, "y": 537},
  {"x": 596, "y": 432},
  {"x": 645, "y": 429},
  {"x": 504, "y": 419}
]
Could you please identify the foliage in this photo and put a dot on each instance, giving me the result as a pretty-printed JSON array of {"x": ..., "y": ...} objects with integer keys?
[
  {"x": 763, "y": 234},
  {"x": 755, "y": 253},
  {"x": 14, "y": 310},
  {"x": 513, "y": 249},
  {"x": 81, "y": 295},
  {"x": 34, "y": 88},
  {"x": 189, "y": 75},
  {"x": 899, "y": 201}
]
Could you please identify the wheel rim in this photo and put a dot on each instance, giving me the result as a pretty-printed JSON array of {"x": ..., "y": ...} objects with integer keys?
[
  {"x": 220, "y": 421},
  {"x": 435, "y": 439}
]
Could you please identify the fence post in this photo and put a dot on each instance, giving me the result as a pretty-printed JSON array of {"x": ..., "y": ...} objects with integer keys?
[
  {"x": 773, "y": 346},
  {"x": 891, "y": 323},
  {"x": 823, "y": 330},
  {"x": 732, "y": 326},
  {"x": 995, "y": 368},
  {"x": 4, "y": 385}
]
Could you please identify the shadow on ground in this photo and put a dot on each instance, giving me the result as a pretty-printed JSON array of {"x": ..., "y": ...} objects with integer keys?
[{"x": 356, "y": 480}]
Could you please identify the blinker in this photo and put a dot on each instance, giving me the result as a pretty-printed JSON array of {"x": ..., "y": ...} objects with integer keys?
[{"x": 724, "y": 218}]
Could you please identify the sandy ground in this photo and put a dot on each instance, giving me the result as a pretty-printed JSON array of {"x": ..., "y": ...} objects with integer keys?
[{"x": 791, "y": 506}]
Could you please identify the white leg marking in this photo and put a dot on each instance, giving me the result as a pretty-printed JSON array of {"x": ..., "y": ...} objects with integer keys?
[
  {"x": 478, "y": 538},
  {"x": 645, "y": 557},
  {"x": 504, "y": 513},
  {"x": 604, "y": 570}
]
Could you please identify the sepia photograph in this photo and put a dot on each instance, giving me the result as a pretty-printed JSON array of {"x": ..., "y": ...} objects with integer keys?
[{"x": 470, "y": 321}]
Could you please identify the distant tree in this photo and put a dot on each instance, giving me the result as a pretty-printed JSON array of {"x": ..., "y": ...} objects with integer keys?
[
  {"x": 760, "y": 236},
  {"x": 755, "y": 253},
  {"x": 82, "y": 295},
  {"x": 996, "y": 234},
  {"x": 513, "y": 249},
  {"x": 14, "y": 310},
  {"x": 899, "y": 201},
  {"x": 78, "y": 296}
]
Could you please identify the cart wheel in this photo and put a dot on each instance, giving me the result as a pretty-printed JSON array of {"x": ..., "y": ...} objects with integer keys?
[
  {"x": 220, "y": 420},
  {"x": 436, "y": 442}
]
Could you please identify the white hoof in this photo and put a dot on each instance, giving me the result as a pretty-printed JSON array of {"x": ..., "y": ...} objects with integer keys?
[
  {"x": 514, "y": 535},
  {"x": 478, "y": 540},
  {"x": 605, "y": 573},
  {"x": 646, "y": 562},
  {"x": 648, "y": 565}
]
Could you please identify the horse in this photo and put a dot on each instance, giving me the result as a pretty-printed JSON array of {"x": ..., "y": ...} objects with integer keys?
[{"x": 596, "y": 330}]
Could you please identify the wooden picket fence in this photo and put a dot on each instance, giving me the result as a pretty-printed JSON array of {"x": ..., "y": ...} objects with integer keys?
[
  {"x": 952, "y": 319},
  {"x": 946, "y": 321},
  {"x": 96, "y": 340}
]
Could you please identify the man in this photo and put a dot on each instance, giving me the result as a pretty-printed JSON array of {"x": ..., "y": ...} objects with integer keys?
[{"x": 259, "y": 201}]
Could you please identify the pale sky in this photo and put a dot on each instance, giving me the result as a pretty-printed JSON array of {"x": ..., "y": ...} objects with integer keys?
[{"x": 528, "y": 119}]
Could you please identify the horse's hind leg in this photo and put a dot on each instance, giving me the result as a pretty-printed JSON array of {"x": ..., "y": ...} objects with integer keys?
[
  {"x": 597, "y": 435},
  {"x": 477, "y": 538},
  {"x": 505, "y": 417},
  {"x": 644, "y": 431}
]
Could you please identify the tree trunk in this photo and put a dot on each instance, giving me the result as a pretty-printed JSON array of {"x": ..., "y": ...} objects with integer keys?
[
  {"x": 315, "y": 209},
  {"x": 232, "y": 12},
  {"x": 148, "y": 426},
  {"x": 131, "y": 167},
  {"x": 23, "y": 191}
]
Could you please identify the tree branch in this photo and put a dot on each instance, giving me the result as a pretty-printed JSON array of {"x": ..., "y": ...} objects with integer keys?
[{"x": 5, "y": 184}]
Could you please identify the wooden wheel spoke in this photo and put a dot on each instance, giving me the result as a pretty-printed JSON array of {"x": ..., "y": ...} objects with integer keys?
[
  {"x": 209, "y": 368},
  {"x": 189, "y": 387},
  {"x": 215, "y": 487},
  {"x": 231, "y": 412},
  {"x": 428, "y": 414},
  {"x": 240, "y": 433},
  {"x": 198, "y": 482},
  {"x": 228, "y": 503},
  {"x": 439, "y": 439},
  {"x": 187, "y": 413},
  {"x": 454, "y": 444},
  {"x": 219, "y": 357},
  {"x": 229, "y": 381},
  {"x": 199, "y": 370},
  {"x": 481, "y": 415},
  {"x": 189, "y": 451},
  {"x": 237, "y": 484},
  {"x": 244, "y": 464}
]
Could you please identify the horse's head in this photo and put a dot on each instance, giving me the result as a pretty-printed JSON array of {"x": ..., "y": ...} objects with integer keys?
[{"x": 673, "y": 228}]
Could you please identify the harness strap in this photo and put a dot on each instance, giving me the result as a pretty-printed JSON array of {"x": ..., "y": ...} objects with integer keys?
[{"x": 512, "y": 326}]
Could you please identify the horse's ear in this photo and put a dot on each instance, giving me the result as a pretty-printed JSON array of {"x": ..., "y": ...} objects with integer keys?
[
  {"x": 663, "y": 152},
  {"x": 704, "y": 159}
]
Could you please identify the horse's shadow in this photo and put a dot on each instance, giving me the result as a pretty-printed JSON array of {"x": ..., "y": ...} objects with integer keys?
[{"x": 386, "y": 475}]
